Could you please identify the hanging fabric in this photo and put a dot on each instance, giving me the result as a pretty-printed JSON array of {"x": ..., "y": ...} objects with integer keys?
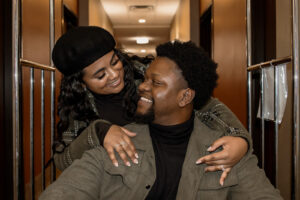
[{"x": 269, "y": 93}]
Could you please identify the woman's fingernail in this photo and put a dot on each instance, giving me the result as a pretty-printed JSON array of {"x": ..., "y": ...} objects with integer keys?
[
  {"x": 222, "y": 183},
  {"x": 209, "y": 149},
  {"x": 198, "y": 162},
  {"x": 136, "y": 155},
  {"x": 128, "y": 164},
  {"x": 116, "y": 164},
  {"x": 136, "y": 161}
]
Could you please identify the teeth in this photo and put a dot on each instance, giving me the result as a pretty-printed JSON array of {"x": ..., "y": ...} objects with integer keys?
[
  {"x": 114, "y": 82},
  {"x": 146, "y": 100}
]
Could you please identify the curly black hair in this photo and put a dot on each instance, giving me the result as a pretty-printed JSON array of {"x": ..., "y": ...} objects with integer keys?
[
  {"x": 73, "y": 101},
  {"x": 196, "y": 66}
]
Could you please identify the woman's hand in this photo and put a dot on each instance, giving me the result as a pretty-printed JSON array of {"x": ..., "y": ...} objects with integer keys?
[
  {"x": 117, "y": 138},
  {"x": 234, "y": 148}
]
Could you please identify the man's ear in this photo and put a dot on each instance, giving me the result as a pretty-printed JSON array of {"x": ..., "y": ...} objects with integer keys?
[{"x": 185, "y": 97}]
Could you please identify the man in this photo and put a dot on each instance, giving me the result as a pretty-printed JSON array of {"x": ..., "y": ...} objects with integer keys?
[{"x": 180, "y": 79}]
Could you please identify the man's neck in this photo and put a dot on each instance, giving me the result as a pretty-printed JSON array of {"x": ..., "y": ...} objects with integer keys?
[{"x": 176, "y": 118}]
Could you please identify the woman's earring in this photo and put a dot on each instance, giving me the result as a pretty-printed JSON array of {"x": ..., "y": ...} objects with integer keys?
[{"x": 84, "y": 87}]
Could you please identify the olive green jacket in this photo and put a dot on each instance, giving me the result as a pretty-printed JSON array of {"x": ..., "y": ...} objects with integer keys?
[
  {"x": 94, "y": 176},
  {"x": 214, "y": 114}
]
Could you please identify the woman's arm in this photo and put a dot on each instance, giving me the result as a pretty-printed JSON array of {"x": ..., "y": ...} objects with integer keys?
[
  {"x": 72, "y": 146},
  {"x": 111, "y": 137},
  {"x": 218, "y": 116},
  {"x": 235, "y": 142}
]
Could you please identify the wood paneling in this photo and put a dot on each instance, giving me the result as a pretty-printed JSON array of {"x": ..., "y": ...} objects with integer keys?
[
  {"x": 204, "y": 5},
  {"x": 180, "y": 28},
  {"x": 35, "y": 34},
  {"x": 229, "y": 51},
  {"x": 285, "y": 135},
  {"x": 72, "y": 5},
  {"x": 36, "y": 47},
  {"x": 98, "y": 16}
]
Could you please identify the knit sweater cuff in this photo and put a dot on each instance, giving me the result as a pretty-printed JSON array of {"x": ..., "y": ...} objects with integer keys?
[{"x": 101, "y": 130}]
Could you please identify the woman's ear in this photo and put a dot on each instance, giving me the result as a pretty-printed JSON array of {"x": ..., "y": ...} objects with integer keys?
[{"x": 186, "y": 96}]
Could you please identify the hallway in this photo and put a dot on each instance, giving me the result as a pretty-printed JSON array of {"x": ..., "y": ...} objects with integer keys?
[{"x": 242, "y": 37}]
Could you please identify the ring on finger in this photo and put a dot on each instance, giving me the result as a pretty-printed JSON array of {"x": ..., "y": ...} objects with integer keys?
[
  {"x": 124, "y": 144},
  {"x": 222, "y": 168}
]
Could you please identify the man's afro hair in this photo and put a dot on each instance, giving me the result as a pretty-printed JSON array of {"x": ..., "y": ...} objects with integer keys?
[{"x": 197, "y": 68}]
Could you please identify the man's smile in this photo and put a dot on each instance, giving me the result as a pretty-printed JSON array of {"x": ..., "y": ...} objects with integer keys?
[{"x": 147, "y": 100}]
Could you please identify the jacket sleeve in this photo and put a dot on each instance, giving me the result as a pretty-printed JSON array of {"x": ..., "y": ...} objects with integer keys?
[
  {"x": 218, "y": 116},
  {"x": 253, "y": 183},
  {"x": 82, "y": 180},
  {"x": 91, "y": 137}
]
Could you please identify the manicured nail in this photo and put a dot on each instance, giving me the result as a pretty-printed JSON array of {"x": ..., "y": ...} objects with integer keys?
[
  {"x": 222, "y": 183},
  {"x": 199, "y": 162},
  {"x": 116, "y": 164},
  {"x": 136, "y": 155},
  {"x": 128, "y": 164},
  {"x": 209, "y": 149},
  {"x": 136, "y": 161}
]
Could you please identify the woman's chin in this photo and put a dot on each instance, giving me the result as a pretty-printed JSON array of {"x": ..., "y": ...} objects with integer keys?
[{"x": 118, "y": 89}]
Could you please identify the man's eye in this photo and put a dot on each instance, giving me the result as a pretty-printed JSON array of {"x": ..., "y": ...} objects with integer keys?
[{"x": 156, "y": 82}]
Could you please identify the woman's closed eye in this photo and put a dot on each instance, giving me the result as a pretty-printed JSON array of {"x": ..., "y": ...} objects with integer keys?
[{"x": 101, "y": 76}]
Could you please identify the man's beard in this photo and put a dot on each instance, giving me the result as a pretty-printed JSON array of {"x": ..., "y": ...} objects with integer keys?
[{"x": 144, "y": 118}]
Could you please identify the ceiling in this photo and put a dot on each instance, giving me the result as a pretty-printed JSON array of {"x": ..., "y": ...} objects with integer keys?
[{"x": 125, "y": 14}]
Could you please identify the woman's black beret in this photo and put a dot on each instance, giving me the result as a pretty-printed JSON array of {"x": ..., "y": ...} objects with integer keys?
[{"x": 80, "y": 47}]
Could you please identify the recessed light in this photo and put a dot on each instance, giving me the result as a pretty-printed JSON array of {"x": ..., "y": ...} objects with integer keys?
[
  {"x": 142, "y": 40},
  {"x": 143, "y": 50},
  {"x": 142, "y": 21}
]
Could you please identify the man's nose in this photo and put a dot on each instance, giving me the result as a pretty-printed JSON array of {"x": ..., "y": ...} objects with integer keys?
[{"x": 144, "y": 86}]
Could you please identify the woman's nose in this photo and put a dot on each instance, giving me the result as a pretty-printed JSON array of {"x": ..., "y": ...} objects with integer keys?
[{"x": 112, "y": 74}]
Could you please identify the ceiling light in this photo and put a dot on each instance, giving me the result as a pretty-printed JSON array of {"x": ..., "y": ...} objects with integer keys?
[
  {"x": 142, "y": 40},
  {"x": 143, "y": 50},
  {"x": 143, "y": 8},
  {"x": 142, "y": 21}
]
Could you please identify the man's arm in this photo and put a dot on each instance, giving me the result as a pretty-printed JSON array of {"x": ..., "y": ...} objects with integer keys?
[{"x": 82, "y": 180}]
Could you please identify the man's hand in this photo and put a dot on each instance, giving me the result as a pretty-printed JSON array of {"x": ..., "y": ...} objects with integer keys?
[
  {"x": 234, "y": 148},
  {"x": 117, "y": 138}
]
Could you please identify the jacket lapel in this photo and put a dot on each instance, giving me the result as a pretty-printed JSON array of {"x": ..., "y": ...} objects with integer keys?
[
  {"x": 202, "y": 137},
  {"x": 146, "y": 166}
]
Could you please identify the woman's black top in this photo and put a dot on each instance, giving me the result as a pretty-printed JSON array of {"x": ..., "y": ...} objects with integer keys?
[{"x": 110, "y": 107}]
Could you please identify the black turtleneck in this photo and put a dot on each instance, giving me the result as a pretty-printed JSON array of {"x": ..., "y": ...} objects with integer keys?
[
  {"x": 110, "y": 108},
  {"x": 170, "y": 145}
]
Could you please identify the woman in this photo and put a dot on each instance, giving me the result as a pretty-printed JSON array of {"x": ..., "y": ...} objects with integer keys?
[{"x": 100, "y": 82}]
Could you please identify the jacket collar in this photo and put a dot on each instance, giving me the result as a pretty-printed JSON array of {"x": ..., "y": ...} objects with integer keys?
[{"x": 201, "y": 138}]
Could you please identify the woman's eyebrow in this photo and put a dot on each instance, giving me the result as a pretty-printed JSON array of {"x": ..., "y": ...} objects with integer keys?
[{"x": 112, "y": 57}]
